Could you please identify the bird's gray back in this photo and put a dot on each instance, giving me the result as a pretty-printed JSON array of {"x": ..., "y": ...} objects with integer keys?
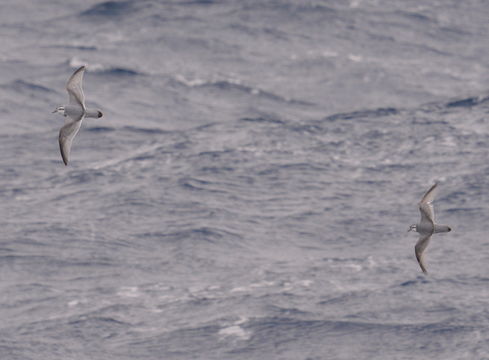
[{"x": 75, "y": 112}]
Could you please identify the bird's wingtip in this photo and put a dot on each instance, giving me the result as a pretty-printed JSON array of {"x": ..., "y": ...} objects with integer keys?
[{"x": 81, "y": 68}]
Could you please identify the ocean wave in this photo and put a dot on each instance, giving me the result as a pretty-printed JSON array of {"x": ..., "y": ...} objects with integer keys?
[
  {"x": 100, "y": 129},
  {"x": 213, "y": 155},
  {"x": 23, "y": 87},
  {"x": 375, "y": 113},
  {"x": 108, "y": 70},
  {"x": 119, "y": 71},
  {"x": 207, "y": 233},
  {"x": 195, "y": 184},
  {"x": 74, "y": 47},
  {"x": 236, "y": 85},
  {"x": 263, "y": 120},
  {"x": 101, "y": 323},
  {"x": 320, "y": 329},
  {"x": 76, "y": 177},
  {"x": 468, "y": 102},
  {"x": 419, "y": 280},
  {"x": 144, "y": 152},
  {"x": 142, "y": 130},
  {"x": 110, "y": 9}
]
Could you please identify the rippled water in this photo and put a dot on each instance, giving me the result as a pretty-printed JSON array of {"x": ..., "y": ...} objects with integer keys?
[{"x": 247, "y": 193}]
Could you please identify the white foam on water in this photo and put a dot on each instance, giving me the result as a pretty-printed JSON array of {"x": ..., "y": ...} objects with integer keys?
[
  {"x": 129, "y": 291},
  {"x": 236, "y": 330}
]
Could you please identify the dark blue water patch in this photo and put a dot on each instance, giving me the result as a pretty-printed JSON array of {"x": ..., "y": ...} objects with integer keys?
[
  {"x": 140, "y": 130},
  {"x": 14, "y": 192},
  {"x": 421, "y": 279},
  {"x": 409, "y": 283},
  {"x": 110, "y": 9},
  {"x": 468, "y": 102},
  {"x": 5, "y": 250},
  {"x": 214, "y": 155},
  {"x": 143, "y": 157},
  {"x": 194, "y": 184},
  {"x": 207, "y": 126},
  {"x": 278, "y": 98},
  {"x": 24, "y": 87},
  {"x": 442, "y": 329},
  {"x": 217, "y": 169},
  {"x": 373, "y": 183},
  {"x": 459, "y": 196},
  {"x": 295, "y": 10},
  {"x": 100, "y": 129},
  {"x": 198, "y": 2},
  {"x": 304, "y": 215},
  {"x": 309, "y": 128},
  {"x": 263, "y": 120},
  {"x": 119, "y": 72},
  {"x": 227, "y": 85},
  {"x": 466, "y": 210},
  {"x": 73, "y": 47},
  {"x": 181, "y": 145},
  {"x": 283, "y": 311},
  {"x": 361, "y": 114}
]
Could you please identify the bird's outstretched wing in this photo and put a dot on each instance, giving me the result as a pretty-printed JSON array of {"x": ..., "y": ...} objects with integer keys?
[
  {"x": 420, "y": 248},
  {"x": 74, "y": 87},
  {"x": 66, "y": 135},
  {"x": 426, "y": 205}
]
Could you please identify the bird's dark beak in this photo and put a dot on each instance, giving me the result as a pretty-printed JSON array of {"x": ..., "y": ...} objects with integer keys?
[{"x": 449, "y": 229}]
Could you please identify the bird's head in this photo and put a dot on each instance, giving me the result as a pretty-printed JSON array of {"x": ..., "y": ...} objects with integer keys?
[{"x": 59, "y": 109}]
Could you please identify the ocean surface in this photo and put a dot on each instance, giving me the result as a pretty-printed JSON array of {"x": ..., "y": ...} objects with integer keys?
[{"x": 247, "y": 193}]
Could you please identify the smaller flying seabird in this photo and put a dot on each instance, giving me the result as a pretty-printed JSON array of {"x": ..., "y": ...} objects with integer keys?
[
  {"x": 75, "y": 112},
  {"x": 426, "y": 226}
]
